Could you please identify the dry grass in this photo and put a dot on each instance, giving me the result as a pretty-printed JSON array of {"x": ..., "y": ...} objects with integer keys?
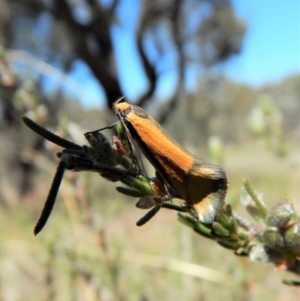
[{"x": 92, "y": 250}]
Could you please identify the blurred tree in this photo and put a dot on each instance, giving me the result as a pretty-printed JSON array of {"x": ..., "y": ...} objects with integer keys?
[
  {"x": 216, "y": 101},
  {"x": 286, "y": 95},
  {"x": 62, "y": 33}
]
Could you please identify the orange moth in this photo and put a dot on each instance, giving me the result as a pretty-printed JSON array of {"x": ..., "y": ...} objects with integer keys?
[{"x": 203, "y": 186}]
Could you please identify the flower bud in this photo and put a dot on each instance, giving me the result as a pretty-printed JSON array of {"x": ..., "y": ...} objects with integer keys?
[
  {"x": 272, "y": 238},
  {"x": 280, "y": 214},
  {"x": 292, "y": 239},
  {"x": 258, "y": 254}
]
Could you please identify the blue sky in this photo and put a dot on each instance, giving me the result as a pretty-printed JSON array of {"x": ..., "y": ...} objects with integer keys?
[
  {"x": 272, "y": 44},
  {"x": 271, "y": 51}
]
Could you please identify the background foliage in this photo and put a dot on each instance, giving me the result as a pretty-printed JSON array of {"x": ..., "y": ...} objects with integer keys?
[{"x": 91, "y": 248}]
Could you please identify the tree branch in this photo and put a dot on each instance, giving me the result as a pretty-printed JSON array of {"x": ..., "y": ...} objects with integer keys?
[
  {"x": 148, "y": 67},
  {"x": 93, "y": 45}
]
